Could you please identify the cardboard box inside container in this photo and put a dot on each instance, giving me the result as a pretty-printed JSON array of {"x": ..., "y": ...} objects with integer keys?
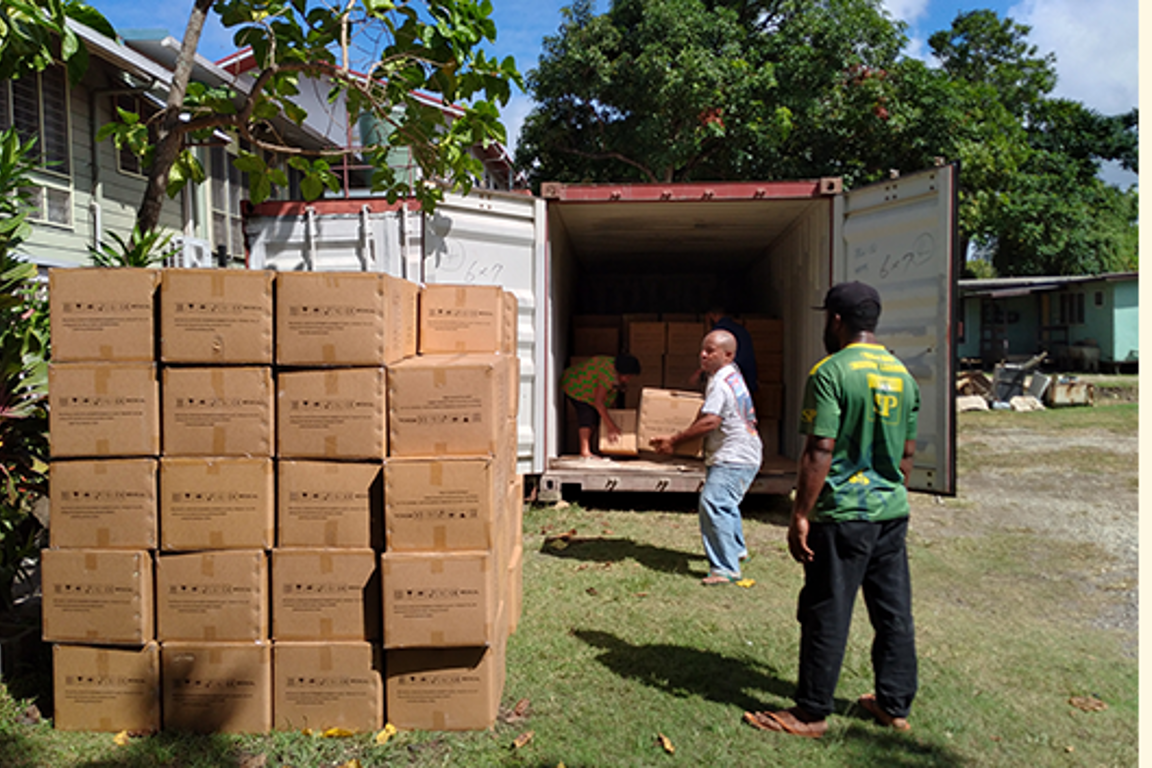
[
  {"x": 767, "y": 333},
  {"x": 103, "y": 410},
  {"x": 684, "y": 337},
  {"x": 651, "y": 375},
  {"x": 217, "y": 687},
  {"x": 215, "y": 316},
  {"x": 769, "y": 401},
  {"x": 333, "y": 504},
  {"x": 106, "y": 689},
  {"x": 218, "y": 411},
  {"x": 590, "y": 341},
  {"x": 103, "y": 503},
  {"x": 441, "y": 504},
  {"x": 458, "y": 319},
  {"x": 448, "y": 405},
  {"x": 444, "y": 689},
  {"x": 339, "y": 413},
  {"x": 439, "y": 599},
  {"x": 343, "y": 318},
  {"x": 626, "y": 444},
  {"x": 325, "y": 594},
  {"x": 769, "y": 430},
  {"x": 217, "y": 503},
  {"x": 647, "y": 337},
  {"x": 217, "y": 596},
  {"x": 514, "y": 598},
  {"x": 102, "y": 314},
  {"x": 679, "y": 371},
  {"x": 664, "y": 412},
  {"x": 327, "y": 685},
  {"x": 769, "y": 367},
  {"x": 97, "y": 596}
]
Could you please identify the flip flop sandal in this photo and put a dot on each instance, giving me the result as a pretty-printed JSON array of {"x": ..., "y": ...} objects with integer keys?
[
  {"x": 718, "y": 580},
  {"x": 868, "y": 702},
  {"x": 785, "y": 721}
]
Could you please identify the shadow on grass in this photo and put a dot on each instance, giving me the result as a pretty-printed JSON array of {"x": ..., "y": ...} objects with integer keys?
[
  {"x": 685, "y": 672},
  {"x": 598, "y": 549}
]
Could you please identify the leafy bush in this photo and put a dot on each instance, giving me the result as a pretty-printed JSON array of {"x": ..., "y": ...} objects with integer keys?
[{"x": 24, "y": 352}]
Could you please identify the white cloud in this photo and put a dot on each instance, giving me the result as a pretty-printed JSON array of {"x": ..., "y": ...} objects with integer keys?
[
  {"x": 1096, "y": 47},
  {"x": 906, "y": 10}
]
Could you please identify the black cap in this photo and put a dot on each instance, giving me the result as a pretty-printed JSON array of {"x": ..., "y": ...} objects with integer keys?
[{"x": 846, "y": 299}]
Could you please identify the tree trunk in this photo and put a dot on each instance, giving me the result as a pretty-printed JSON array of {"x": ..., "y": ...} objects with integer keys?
[{"x": 169, "y": 141}]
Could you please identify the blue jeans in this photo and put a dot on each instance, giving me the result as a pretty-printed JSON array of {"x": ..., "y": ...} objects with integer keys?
[{"x": 720, "y": 524}]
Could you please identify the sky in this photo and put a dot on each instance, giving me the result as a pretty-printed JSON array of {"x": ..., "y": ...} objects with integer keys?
[{"x": 1096, "y": 43}]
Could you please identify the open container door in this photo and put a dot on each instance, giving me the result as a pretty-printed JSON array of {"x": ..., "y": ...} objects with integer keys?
[
  {"x": 494, "y": 238},
  {"x": 900, "y": 237}
]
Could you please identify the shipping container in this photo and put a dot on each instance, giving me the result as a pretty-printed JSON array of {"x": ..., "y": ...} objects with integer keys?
[{"x": 767, "y": 248}]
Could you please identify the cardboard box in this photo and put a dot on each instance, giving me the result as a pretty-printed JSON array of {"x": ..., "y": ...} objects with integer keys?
[
  {"x": 626, "y": 445},
  {"x": 457, "y": 319},
  {"x": 216, "y": 316},
  {"x": 439, "y": 599},
  {"x": 325, "y": 594},
  {"x": 344, "y": 318},
  {"x": 95, "y": 596},
  {"x": 664, "y": 412},
  {"x": 212, "y": 596},
  {"x": 769, "y": 367},
  {"x": 106, "y": 689},
  {"x": 334, "y": 504},
  {"x": 767, "y": 333},
  {"x": 218, "y": 411},
  {"x": 444, "y": 689},
  {"x": 769, "y": 401},
  {"x": 103, "y": 503},
  {"x": 514, "y": 598},
  {"x": 217, "y": 503},
  {"x": 448, "y": 405},
  {"x": 441, "y": 504},
  {"x": 339, "y": 413},
  {"x": 102, "y": 314},
  {"x": 769, "y": 430},
  {"x": 510, "y": 336},
  {"x": 103, "y": 410},
  {"x": 593, "y": 341},
  {"x": 684, "y": 338},
  {"x": 651, "y": 375},
  {"x": 679, "y": 370},
  {"x": 647, "y": 337},
  {"x": 327, "y": 685},
  {"x": 217, "y": 687}
]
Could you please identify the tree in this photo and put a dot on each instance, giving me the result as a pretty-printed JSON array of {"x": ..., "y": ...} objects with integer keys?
[
  {"x": 435, "y": 50},
  {"x": 1031, "y": 194}
]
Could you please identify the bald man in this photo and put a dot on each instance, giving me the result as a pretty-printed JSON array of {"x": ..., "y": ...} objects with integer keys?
[{"x": 732, "y": 454}]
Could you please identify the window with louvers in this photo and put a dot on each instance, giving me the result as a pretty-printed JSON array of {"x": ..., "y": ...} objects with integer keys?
[{"x": 36, "y": 106}]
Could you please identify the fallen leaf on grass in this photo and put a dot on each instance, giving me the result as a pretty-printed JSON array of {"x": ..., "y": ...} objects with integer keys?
[
  {"x": 521, "y": 708},
  {"x": 746, "y": 583},
  {"x": 121, "y": 739},
  {"x": 523, "y": 739},
  {"x": 254, "y": 761},
  {"x": 592, "y": 591},
  {"x": 641, "y": 594},
  {"x": 388, "y": 732},
  {"x": 337, "y": 733},
  {"x": 666, "y": 743},
  {"x": 1088, "y": 703},
  {"x": 353, "y": 763}
]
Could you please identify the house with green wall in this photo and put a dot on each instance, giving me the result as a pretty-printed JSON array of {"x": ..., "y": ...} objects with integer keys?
[{"x": 1082, "y": 322}]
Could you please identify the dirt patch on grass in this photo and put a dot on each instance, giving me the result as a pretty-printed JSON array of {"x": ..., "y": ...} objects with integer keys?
[{"x": 1051, "y": 485}]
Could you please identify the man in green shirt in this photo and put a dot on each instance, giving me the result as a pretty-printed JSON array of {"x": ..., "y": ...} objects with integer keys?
[{"x": 850, "y": 518}]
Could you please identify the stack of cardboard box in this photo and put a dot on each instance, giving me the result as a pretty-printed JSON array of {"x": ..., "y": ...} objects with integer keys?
[
  {"x": 453, "y": 540},
  {"x": 247, "y": 541},
  {"x": 768, "y": 343}
]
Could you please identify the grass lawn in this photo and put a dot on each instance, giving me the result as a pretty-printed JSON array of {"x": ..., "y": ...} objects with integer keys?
[{"x": 619, "y": 644}]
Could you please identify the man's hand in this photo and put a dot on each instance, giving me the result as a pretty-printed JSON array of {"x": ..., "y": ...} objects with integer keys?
[
  {"x": 612, "y": 432},
  {"x": 661, "y": 444},
  {"x": 798, "y": 539}
]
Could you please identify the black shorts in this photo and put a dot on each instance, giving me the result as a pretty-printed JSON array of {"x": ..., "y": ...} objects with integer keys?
[{"x": 586, "y": 413}]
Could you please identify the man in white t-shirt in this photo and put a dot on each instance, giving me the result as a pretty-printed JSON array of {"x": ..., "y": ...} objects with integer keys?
[{"x": 732, "y": 454}]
